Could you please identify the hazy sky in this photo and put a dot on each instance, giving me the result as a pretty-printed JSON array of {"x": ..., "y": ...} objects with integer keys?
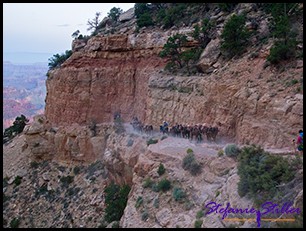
[{"x": 47, "y": 27}]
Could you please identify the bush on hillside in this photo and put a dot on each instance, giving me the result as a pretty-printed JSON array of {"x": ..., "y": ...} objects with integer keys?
[
  {"x": 191, "y": 164},
  {"x": 161, "y": 169},
  {"x": 115, "y": 200},
  {"x": 164, "y": 185},
  {"x": 17, "y": 127},
  {"x": 260, "y": 173},
  {"x": 178, "y": 194},
  {"x": 234, "y": 36},
  {"x": 232, "y": 150},
  {"x": 58, "y": 59}
]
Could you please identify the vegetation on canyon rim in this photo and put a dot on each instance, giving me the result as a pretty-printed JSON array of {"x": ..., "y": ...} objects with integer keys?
[
  {"x": 17, "y": 127},
  {"x": 235, "y": 35}
]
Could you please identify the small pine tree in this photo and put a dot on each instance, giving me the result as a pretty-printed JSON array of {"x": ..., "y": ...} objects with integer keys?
[
  {"x": 234, "y": 36},
  {"x": 173, "y": 49},
  {"x": 57, "y": 60},
  {"x": 161, "y": 169},
  {"x": 114, "y": 13}
]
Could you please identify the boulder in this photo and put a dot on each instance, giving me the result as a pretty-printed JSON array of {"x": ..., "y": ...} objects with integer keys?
[
  {"x": 210, "y": 55},
  {"x": 127, "y": 15}
]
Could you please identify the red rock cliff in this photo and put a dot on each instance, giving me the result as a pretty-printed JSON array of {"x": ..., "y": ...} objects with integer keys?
[
  {"x": 108, "y": 75},
  {"x": 122, "y": 73}
]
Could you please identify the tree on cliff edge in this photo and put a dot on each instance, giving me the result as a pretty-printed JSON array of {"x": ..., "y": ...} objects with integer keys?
[
  {"x": 94, "y": 23},
  {"x": 17, "y": 127}
]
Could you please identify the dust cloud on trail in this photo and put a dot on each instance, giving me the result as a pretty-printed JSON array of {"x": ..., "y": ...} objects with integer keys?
[{"x": 175, "y": 145}]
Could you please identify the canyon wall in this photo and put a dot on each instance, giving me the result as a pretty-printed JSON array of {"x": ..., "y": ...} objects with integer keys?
[
  {"x": 123, "y": 73},
  {"x": 108, "y": 75}
]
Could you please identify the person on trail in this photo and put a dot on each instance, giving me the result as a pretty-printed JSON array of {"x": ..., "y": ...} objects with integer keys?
[
  {"x": 299, "y": 141},
  {"x": 164, "y": 127}
]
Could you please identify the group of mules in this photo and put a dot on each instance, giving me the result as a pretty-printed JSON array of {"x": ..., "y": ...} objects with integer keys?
[
  {"x": 195, "y": 132},
  {"x": 192, "y": 132}
]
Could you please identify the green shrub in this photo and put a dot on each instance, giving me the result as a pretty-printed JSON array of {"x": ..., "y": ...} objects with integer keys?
[
  {"x": 66, "y": 180},
  {"x": 41, "y": 190},
  {"x": 161, "y": 169},
  {"x": 200, "y": 214},
  {"x": 187, "y": 160},
  {"x": 155, "y": 187},
  {"x": 281, "y": 51},
  {"x": 76, "y": 170},
  {"x": 152, "y": 141},
  {"x": 220, "y": 153},
  {"x": 171, "y": 15},
  {"x": 34, "y": 164},
  {"x": 156, "y": 203},
  {"x": 195, "y": 168},
  {"x": 198, "y": 223},
  {"x": 114, "y": 13},
  {"x": 115, "y": 200},
  {"x": 141, "y": 8},
  {"x": 164, "y": 185},
  {"x": 178, "y": 194},
  {"x": 217, "y": 193},
  {"x": 148, "y": 182},
  {"x": 173, "y": 49},
  {"x": 139, "y": 202},
  {"x": 260, "y": 173},
  {"x": 17, "y": 181},
  {"x": 189, "y": 150},
  {"x": 144, "y": 215},
  {"x": 143, "y": 15},
  {"x": 291, "y": 82},
  {"x": 232, "y": 150},
  {"x": 145, "y": 20},
  {"x": 284, "y": 47},
  {"x": 17, "y": 127},
  {"x": 234, "y": 36},
  {"x": 15, "y": 222},
  {"x": 191, "y": 164},
  {"x": 57, "y": 60}
]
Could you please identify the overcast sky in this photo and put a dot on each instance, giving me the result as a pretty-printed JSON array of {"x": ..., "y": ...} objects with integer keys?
[{"x": 47, "y": 27}]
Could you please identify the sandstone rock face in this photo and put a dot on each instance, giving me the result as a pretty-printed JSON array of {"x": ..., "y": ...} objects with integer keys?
[
  {"x": 240, "y": 98},
  {"x": 250, "y": 102},
  {"x": 109, "y": 76},
  {"x": 72, "y": 144}
]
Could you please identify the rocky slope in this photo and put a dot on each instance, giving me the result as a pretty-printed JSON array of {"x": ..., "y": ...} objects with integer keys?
[{"x": 67, "y": 191}]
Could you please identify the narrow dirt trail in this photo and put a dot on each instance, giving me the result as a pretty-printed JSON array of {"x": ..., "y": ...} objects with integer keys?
[{"x": 173, "y": 146}]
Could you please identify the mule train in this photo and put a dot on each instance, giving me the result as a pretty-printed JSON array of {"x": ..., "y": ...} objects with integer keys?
[{"x": 192, "y": 132}]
